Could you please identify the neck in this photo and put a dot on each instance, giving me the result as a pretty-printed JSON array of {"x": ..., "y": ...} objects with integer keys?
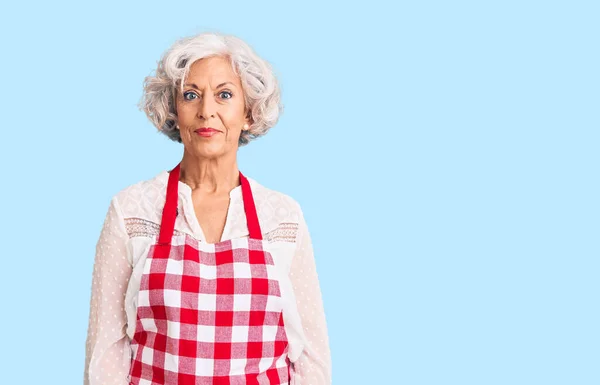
[{"x": 210, "y": 176}]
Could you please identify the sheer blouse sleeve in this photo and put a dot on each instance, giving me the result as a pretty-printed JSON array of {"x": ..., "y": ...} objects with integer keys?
[
  {"x": 314, "y": 364},
  {"x": 107, "y": 355}
]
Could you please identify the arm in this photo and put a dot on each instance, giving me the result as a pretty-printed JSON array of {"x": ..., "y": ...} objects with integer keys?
[
  {"x": 314, "y": 365},
  {"x": 107, "y": 355}
]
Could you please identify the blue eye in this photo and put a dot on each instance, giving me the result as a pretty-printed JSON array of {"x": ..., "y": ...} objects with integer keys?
[
  {"x": 227, "y": 92},
  {"x": 188, "y": 93}
]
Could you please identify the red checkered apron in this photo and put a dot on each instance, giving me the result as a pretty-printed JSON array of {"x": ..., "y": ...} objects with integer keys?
[{"x": 209, "y": 313}]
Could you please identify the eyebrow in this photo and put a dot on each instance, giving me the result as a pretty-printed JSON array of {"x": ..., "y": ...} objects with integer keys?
[{"x": 219, "y": 86}]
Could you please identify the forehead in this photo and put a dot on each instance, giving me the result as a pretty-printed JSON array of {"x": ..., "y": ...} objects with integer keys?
[{"x": 212, "y": 69}]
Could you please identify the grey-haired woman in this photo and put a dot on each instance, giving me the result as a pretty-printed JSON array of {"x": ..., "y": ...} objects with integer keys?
[{"x": 201, "y": 274}]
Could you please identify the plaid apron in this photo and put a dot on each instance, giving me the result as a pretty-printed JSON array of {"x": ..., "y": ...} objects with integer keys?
[{"x": 209, "y": 313}]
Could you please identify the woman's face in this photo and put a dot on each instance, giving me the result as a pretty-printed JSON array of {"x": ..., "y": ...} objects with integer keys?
[{"x": 212, "y": 98}]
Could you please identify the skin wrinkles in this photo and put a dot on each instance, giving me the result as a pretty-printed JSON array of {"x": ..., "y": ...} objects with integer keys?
[{"x": 212, "y": 97}]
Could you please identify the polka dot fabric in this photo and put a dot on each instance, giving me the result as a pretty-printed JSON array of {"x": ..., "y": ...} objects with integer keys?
[
  {"x": 107, "y": 349},
  {"x": 314, "y": 365},
  {"x": 131, "y": 227}
]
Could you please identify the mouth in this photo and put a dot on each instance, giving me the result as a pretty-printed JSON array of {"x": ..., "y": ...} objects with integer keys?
[{"x": 206, "y": 131}]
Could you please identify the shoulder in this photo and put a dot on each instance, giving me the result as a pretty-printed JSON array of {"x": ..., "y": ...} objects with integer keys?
[
  {"x": 141, "y": 198},
  {"x": 275, "y": 204}
]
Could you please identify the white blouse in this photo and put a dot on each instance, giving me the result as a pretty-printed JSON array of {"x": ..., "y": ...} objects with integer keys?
[{"x": 131, "y": 227}]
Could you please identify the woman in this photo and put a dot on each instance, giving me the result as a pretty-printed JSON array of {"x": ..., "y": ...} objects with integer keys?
[{"x": 201, "y": 274}]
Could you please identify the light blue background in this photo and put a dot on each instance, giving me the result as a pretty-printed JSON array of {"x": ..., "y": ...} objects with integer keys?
[{"x": 445, "y": 155}]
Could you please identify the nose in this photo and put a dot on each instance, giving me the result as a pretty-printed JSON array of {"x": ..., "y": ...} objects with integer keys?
[{"x": 207, "y": 108}]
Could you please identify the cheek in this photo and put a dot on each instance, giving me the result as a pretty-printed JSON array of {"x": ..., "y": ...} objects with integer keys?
[
  {"x": 185, "y": 111},
  {"x": 234, "y": 115}
]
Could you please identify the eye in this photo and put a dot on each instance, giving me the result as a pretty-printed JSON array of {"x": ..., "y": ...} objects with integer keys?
[
  {"x": 227, "y": 93},
  {"x": 186, "y": 94}
]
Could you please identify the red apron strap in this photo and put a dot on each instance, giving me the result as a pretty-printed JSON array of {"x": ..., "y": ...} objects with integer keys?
[
  {"x": 250, "y": 209},
  {"x": 167, "y": 224}
]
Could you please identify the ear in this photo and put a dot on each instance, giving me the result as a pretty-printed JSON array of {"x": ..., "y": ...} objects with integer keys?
[{"x": 248, "y": 119}]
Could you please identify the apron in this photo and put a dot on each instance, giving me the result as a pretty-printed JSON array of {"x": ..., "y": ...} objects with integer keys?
[{"x": 209, "y": 313}]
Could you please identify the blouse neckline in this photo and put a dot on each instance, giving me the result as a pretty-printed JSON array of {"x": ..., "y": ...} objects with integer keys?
[
  {"x": 185, "y": 193},
  {"x": 186, "y": 190}
]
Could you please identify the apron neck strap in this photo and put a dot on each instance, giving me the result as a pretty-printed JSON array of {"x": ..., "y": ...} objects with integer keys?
[
  {"x": 167, "y": 225},
  {"x": 250, "y": 209}
]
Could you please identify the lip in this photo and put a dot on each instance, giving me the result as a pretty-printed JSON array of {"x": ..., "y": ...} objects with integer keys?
[{"x": 206, "y": 131}]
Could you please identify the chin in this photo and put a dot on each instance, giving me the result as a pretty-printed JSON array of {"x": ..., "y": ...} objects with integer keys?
[{"x": 208, "y": 150}]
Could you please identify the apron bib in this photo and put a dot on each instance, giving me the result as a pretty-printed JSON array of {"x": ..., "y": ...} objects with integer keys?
[{"x": 209, "y": 313}]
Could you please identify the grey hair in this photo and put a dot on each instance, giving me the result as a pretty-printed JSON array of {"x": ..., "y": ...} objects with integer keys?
[{"x": 261, "y": 88}]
